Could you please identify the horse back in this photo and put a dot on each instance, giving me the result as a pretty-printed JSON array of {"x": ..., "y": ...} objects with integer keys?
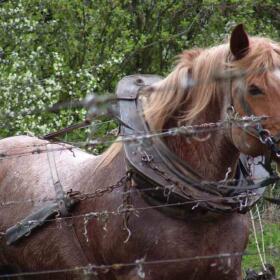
[{"x": 26, "y": 178}]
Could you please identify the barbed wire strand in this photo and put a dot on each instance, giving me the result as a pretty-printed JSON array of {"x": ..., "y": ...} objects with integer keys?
[
  {"x": 92, "y": 267},
  {"x": 104, "y": 268},
  {"x": 201, "y": 128},
  {"x": 131, "y": 209},
  {"x": 187, "y": 131}
]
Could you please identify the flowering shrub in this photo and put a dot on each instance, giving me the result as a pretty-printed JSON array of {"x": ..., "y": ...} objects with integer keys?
[
  {"x": 38, "y": 68},
  {"x": 57, "y": 51}
]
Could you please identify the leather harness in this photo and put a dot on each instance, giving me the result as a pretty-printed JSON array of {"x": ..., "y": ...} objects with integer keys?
[
  {"x": 60, "y": 206},
  {"x": 153, "y": 165}
]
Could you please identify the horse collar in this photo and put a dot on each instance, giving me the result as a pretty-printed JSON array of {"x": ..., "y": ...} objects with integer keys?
[{"x": 173, "y": 180}]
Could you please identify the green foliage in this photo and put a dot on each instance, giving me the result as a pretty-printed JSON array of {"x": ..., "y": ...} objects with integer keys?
[
  {"x": 271, "y": 242},
  {"x": 56, "y": 51}
]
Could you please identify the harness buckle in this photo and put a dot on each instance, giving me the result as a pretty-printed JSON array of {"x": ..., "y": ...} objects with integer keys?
[
  {"x": 264, "y": 136},
  {"x": 146, "y": 157},
  {"x": 243, "y": 202},
  {"x": 167, "y": 191},
  {"x": 268, "y": 140}
]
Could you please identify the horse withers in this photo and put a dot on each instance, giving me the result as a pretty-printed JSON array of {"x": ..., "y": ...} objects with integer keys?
[{"x": 143, "y": 212}]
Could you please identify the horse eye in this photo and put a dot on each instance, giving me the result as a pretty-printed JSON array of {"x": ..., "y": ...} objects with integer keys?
[{"x": 254, "y": 90}]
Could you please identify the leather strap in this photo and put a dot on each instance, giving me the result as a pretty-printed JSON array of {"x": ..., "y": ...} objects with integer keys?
[
  {"x": 59, "y": 206},
  {"x": 63, "y": 201}
]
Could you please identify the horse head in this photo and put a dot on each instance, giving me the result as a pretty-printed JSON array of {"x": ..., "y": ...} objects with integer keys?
[
  {"x": 241, "y": 76},
  {"x": 257, "y": 92}
]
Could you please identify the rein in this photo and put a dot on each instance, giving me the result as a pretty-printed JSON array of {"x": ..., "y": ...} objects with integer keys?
[
  {"x": 61, "y": 132},
  {"x": 259, "y": 132}
]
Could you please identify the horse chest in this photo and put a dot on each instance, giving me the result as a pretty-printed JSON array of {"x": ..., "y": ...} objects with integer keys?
[{"x": 164, "y": 238}]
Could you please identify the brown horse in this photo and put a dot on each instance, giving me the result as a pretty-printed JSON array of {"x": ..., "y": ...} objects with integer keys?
[{"x": 203, "y": 244}]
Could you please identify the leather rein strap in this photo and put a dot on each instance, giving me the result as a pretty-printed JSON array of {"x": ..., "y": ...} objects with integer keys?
[{"x": 153, "y": 164}]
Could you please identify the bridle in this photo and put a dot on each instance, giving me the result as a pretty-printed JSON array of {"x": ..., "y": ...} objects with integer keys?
[
  {"x": 267, "y": 139},
  {"x": 257, "y": 131}
]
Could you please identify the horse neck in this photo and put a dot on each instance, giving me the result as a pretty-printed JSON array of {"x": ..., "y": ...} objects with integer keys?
[
  {"x": 104, "y": 170},
  {"x": 211, "y": 157}
]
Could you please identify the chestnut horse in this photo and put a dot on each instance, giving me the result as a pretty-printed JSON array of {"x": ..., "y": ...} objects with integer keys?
[{"x": 160, "y": 246}]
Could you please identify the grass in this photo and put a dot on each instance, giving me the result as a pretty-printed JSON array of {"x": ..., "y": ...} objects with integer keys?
[{"x": 272, "y": 248}]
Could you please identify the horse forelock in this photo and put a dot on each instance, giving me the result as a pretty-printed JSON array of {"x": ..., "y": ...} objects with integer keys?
[
  {"x": 263, "y": 55},
  {"x": 192, "y": 85}
]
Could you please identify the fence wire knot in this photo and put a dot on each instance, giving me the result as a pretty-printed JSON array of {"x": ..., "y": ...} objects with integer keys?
[
  {"x": 139, "y": 266},
  {"x": 87, "y": 217}
]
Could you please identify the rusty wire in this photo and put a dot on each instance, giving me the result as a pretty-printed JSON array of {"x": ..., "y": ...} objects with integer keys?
[
  {"x": 120, "y": 211},
  {"x": 100, "y": 192},
  {"x": 93, "y": 269},
  {"x": 186, "y": 130}
]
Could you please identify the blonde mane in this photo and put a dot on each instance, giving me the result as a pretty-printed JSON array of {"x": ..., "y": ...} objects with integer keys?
[
  {"x": 191, "y": 86},
  {"x": 177, "y": 95}
]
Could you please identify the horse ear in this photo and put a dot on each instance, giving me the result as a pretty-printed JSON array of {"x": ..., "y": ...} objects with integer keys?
[{"x": 239, "y": 42}]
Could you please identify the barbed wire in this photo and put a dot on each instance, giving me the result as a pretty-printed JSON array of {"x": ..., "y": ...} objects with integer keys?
[
  {"x": 94, "y": 214},
  {"x": 222, "y": 184},
  {"x": 188, "y": 131},
  {"x": 138, "y": 263},
  {"x": 121, "y": 210},
  {"x": 92, "y": 195}
]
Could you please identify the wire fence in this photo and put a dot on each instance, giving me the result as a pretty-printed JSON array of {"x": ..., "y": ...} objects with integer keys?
[
  {"x": 140, "y": 264},
  {"x": 189, "y": 131}
]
